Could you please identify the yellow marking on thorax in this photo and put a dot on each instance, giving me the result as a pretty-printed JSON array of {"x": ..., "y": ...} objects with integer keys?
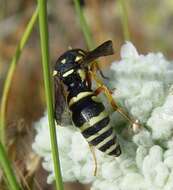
[
  {"x": 93, "y": 121},
  {"x": 81, "y": 52},
  {"x": 78, "y": 58},
  {"x": 63, "y": 61},
  {"x": 55, "y": 73},
  {"x": 79, "y": 97},
  {"x": 95, "y": 99},
  {"x": 82, "y": 74},
  {"x": 68, "y": 73}
]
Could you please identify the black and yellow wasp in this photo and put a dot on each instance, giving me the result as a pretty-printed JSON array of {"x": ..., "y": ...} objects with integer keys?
[{"x": 73, "y": 75}]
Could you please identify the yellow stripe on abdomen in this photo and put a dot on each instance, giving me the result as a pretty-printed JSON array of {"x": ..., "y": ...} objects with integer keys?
[
  {"x": 94, "y": 120},
  {"x": 92, "y": 137},
  {"x": 79, "y": 97},
  {"x": 102, "y": 143},
  {"x": 111, "y": 148}
]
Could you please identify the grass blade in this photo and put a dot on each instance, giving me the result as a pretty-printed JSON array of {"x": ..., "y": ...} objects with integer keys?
[
  {"x": 10, "y": 74},
  {"x": 84, "y": 26},
  {"x": 6, "y": 166},
  {"x": 124, "y": 19},
  {"x": 48, "y": 89}
]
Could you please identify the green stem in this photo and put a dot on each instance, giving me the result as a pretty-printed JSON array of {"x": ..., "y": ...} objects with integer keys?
[
  {"x": 83, "y": 23},
  {"x": 10, "y": 74},
  {"x": 6, "y": 166},
  {"x": 124, "y": 18},
  {"x": 48, "y": 89}
]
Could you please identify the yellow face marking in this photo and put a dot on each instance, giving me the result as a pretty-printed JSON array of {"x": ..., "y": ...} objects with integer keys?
[
  {"x": 63, "y": 61},
  {"x": 93, "y": 121},
  {"x": 92, "y": 137},
  {"x": 55, "y": 73},
  {"x": 68, "y": 73},
  {"x": 82, "y": 74},
  {"x": 78, "y": 58},
  {"x": 79, "y": 97},
  {"x": 112, "y": 136}
]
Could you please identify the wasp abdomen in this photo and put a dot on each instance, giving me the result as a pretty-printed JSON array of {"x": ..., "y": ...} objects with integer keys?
[{"x": 90, "y": 117}]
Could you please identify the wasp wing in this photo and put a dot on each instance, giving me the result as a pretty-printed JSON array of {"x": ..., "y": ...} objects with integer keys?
[
  {"x": 61, "y": 111},
  {"x": 103, "y": 50}
]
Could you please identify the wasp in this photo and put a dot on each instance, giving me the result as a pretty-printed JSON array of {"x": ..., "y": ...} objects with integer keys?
[{"x": 73, "y": 73}]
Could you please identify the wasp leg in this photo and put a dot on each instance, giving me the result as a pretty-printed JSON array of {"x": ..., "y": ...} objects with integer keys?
[
  {"x": 102, "y": 88},
  {"x": 94, "y": 158},
  {"x": 135, "y": 123},
  {"x": 89, "y": 79},
  {"x": 100, "y": 71},
  {"x": 93, "y": 69}
]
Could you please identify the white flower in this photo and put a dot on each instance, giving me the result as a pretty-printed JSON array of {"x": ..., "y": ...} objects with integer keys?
[
  {"x": 75, "y": 157},
  {"x": 141, "y": 81},
  {"x": 143, "y": 86},
  {"x": 161, "y": 121}
]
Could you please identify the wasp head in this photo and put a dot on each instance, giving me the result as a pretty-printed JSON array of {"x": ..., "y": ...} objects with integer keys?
[
  {"x": 75, "y": 59},
  {"x": 69, "y": 62}
]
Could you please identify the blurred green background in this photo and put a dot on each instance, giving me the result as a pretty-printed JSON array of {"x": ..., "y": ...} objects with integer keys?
[{"x": 150, "y": 26}]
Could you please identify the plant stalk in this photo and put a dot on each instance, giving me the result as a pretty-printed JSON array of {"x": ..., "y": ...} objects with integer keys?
[
  {"x": 11, "y": 71},
  {"x": 124, "y": 18},
  {"x": 84, "y": 26},
  {"x": 8, "y": 171},
  {"x": 43, "y": 25}
]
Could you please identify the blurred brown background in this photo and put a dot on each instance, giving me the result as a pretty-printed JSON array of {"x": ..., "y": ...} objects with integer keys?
[{"x": 151, "y": 28}]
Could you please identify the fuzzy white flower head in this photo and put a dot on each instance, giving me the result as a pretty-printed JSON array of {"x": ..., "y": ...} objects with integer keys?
[
  {"x": 161, "y": 120},
  {"x": 142, "y": 85},
  {"x": 75, "y": 157},
  {"x": 141, "y": 81}
]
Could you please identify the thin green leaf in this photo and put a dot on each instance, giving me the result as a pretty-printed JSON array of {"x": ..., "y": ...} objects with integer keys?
[
  {"x": 11, "y": 71},
  {"x": 8, "y": 171},
  {"x": 84, "y": 26},
  {"x": 48, "y": 89}
]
